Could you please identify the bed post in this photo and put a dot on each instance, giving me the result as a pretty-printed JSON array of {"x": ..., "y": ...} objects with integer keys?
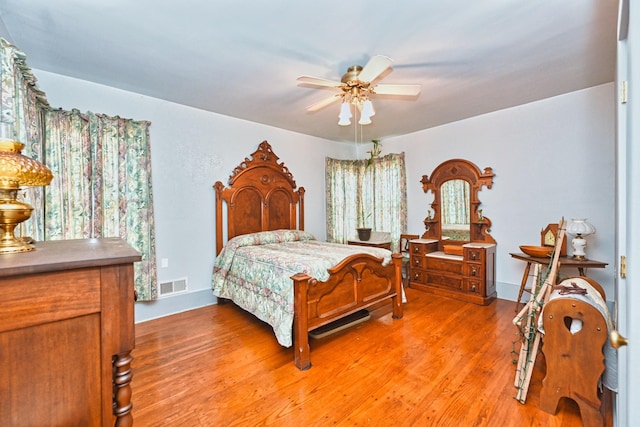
[
  {"x": 397, "y": 300},
  {"x": 301, "y": 208},
  {"x": 302, "y": 352},
  {"x": 219, "y": 187}
]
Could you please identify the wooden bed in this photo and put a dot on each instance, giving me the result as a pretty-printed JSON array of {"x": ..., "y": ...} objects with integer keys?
[{"x": 262, "y": 196}]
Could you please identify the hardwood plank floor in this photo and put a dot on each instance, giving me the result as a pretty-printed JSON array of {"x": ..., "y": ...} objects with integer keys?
[{"x": 446, "y": 363}]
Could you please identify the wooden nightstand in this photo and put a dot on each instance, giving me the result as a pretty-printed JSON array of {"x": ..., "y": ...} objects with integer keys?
[{"x": 378, "y": 240}]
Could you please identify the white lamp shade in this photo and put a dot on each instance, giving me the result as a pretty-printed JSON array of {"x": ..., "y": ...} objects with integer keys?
[
  {"x": 580, "y": 226},
  {"x": 367, "y": 109},
  {"x": 345, "y": 114},
  {"x": 364, "y": 120}
]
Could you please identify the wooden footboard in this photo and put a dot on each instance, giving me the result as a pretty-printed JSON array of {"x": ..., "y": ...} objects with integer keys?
[{"x": 359, "y": 281}]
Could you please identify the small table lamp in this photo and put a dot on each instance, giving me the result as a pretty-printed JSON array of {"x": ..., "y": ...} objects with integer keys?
[
  {"x": 16, "y": 171},
  {"x": 579, "y": 227}
]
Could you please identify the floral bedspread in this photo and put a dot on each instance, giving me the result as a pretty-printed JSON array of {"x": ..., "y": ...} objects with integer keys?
[{"x": 254, "y": 271}]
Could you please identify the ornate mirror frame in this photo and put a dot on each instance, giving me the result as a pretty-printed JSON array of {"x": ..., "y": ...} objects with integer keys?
[{"x": 480, "y": 225}]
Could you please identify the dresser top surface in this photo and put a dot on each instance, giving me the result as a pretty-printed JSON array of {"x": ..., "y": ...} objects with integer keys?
[
  {"x": 478, "y": 245},
  {"x": 55, "y": 255},
  {"x": 440, "y": 254},
  {"x": 423, "y": 241}
]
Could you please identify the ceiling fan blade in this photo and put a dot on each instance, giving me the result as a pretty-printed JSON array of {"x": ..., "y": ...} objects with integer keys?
[
  {"x": 321, "y": 104},
  {"x": 376, "y": 66},
  {"x": 317, "y": 81},
  {"x": 411, "y": 90}
]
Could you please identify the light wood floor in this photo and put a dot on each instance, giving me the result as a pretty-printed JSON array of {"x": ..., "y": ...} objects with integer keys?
[{"x": 446, "y": 363}]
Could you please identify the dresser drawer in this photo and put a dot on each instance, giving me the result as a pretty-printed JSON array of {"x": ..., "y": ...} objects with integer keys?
[
  {"x": 422, "y": 248},
  {"x": 474, "y": 270},
  {"x": 474, "y": 254},
  {"x": 443, "y": 265},
  {"x": 475, "y": 286},
  {"x": 417, "y": 261},
  {"x": 444, "y": 280},
  {"x": 41, "y": 298},
  {"x": 418, "y": 276}
]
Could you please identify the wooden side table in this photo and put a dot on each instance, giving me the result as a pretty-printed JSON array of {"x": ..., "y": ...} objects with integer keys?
[
  {"x": 563, "y": 261},
  {"x": 384, "y": 245},
  {"x": 378, "y": 240}
]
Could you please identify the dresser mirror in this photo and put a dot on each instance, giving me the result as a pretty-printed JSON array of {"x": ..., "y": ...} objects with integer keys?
[
  {"x": 455, "y": 215},
  {"x": 456, "y": 222}
]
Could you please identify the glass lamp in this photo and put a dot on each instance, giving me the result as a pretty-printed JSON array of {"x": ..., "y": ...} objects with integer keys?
[
  {"x": 579, "y": 227},
  {"x": 16, "y": 171}
]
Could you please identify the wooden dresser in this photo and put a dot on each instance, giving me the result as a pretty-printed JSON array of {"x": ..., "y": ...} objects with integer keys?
[
  {"x": 66, "y": 334},
  {"x": 469, "y": 277}
]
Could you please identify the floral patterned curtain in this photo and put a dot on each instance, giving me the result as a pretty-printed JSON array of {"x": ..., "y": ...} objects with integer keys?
[
  {"x": 21, "y": 106},
  {"x": 368, "y": 193},
  {"x": 455, "y": 214},
  {"x": 102, "y": 185},
  {"x": 455, "y": 202},
  {"x": 101, "y": 167}
]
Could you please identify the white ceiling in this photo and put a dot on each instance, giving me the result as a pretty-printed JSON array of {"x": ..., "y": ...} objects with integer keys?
[{"x": 241, "y": 58}]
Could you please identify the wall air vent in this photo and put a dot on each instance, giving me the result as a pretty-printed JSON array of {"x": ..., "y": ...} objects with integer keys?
[{"x": 173, "y": 287}]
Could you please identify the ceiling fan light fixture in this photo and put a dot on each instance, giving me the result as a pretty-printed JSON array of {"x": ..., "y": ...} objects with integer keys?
[
  {"x": 367, "y": 109},
  {"x": 345, "y": 114},
  {"x": 355, "y": 88},
  {"x": 364, "y": 120}
]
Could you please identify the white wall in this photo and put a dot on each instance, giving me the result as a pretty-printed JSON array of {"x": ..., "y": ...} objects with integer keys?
[
  {"x": 191, "y": 150},
  {"x": 553, "y": 158}
]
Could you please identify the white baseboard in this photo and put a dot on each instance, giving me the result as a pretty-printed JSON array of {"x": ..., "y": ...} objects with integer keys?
[
  {"x": 149, "y": 310},
  {"x": 508, "y": 291}
]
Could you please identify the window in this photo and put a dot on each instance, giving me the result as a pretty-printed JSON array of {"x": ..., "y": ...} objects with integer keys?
[{"x": 375, "y": 190}]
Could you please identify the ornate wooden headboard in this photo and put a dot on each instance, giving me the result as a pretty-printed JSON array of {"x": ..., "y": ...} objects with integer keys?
[{"x": 262, "y": 196}]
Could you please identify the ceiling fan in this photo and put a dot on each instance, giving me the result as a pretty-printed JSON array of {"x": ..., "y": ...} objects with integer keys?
[{"x": 356, "y": 87}]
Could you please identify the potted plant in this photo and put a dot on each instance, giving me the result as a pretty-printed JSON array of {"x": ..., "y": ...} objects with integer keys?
[{"x": 364, "y": 232}]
